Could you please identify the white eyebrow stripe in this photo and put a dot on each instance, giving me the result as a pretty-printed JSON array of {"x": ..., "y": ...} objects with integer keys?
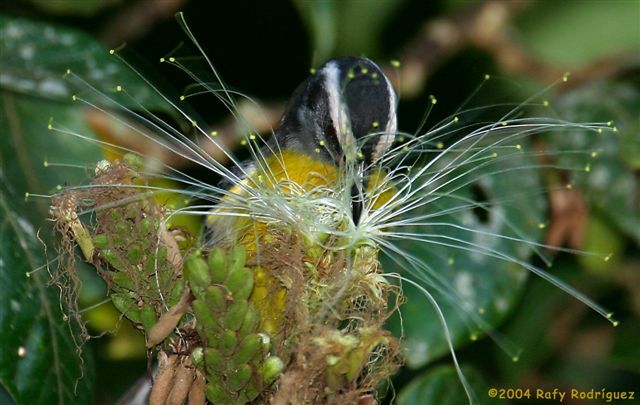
[
  {"x": 386, "y": 139},
  {"x": 337, "y": 108}
]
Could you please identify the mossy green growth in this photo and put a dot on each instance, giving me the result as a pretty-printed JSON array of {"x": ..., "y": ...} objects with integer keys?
[{"x": 236, "y": 359}]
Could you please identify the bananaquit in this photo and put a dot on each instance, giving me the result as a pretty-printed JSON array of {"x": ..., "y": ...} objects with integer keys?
[{"x": 343, "y": 113}]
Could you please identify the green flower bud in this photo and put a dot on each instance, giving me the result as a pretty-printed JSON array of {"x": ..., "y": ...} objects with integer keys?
[
  {"x": 237, "y": 259},
  {"x": 197, "y": 273},
  {"x": 251, "y": 392},
  {"x": 249, "y": 323},
  {"x": 244, "y": 290},
  {"x": 197, "y": 356},
  {"x": 228, "y": 342},
  {"x": 214, "y": 361},
  {"x": 205, "y": 318},
  {"x": 238, "y": 281},
  {"x": 217, "y": 395},
  {"x": 235, "y": 315},
  {"x": 249, "y": 347},
  {"x": 217, "y": 265},
  {"x": 271, "y": 369},
  {"x": 239, "y": 378},
  {"x": 215, "y": 297},
  {"x": 266, "y": 342}
]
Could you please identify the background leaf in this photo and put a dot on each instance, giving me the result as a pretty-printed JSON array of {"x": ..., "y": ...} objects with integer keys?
[
  {"x": 73, "y": 7},
  {"x": 442, "y": 386},
  {"x": 39, "y": 348},
  {"x": 573, "y": 33},
  {"x": 480, "y": 286},
  {"x": 346, "y": 27},
  {"x": 36, "y": 57},
  {"x": 609, "y": 178}
]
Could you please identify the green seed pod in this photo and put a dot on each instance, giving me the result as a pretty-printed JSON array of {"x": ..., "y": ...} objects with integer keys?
[
  {"x": 271, "y": 369},
  {"x": 238, "y": 280},
  {"x": 251, "y": 392},
  {"x": 235, "y": 315},
  {"x": 214, "y": 361},
  {"x": 197, "y": 273},
  {"x": 217, "y": 265},
  {"x": 237, "y": 259},
  {"x": 148, "y": 317},
  {"x": 249, "y": 347},
  {"x": 215, "y": 377},
  {"x": 101, "y": 241},
  {"x": 266, "y": 342},
  {"x": 249, "y": 323},
  {"x": 215, "y": 298},
  {"x": 244, "y": 291},
  {"x": 205, "y": 319},
  {"x": 197, "y": 356},
  {"x": 239, "y": 378},
  {"x": 228, "y": 342},
  {"x": 217, "y": 395}
]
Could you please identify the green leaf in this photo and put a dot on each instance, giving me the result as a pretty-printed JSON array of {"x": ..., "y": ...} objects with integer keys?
[
  {"x": 31, "y": 152},
  {"x": 531, "y": 327},
  {"x": 606, "y": 170},
  {"x": 572, "y": 33},
  {"x": 40, "y": 361},
  {"x": 476, "y": 283},
  {"x": 442, "y": 386},
  {"x": 601, "y": 236},
  {"x": 36, "y": 57},
  {"x": 626, "y": 351},
  {"x": 73, "y": 7},
  {"x": 346, "y": 27},
  {"x": 47, "y": 144}
]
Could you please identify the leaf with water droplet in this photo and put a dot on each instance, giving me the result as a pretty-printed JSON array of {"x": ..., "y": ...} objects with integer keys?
[
  {"x": 612, "y": 185},
  {"x": 472, "y": 271},
  {"x": 42, "y": 59}
]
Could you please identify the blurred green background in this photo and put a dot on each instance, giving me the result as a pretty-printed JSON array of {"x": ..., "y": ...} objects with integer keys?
[{"x": 265, "y": 49}]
